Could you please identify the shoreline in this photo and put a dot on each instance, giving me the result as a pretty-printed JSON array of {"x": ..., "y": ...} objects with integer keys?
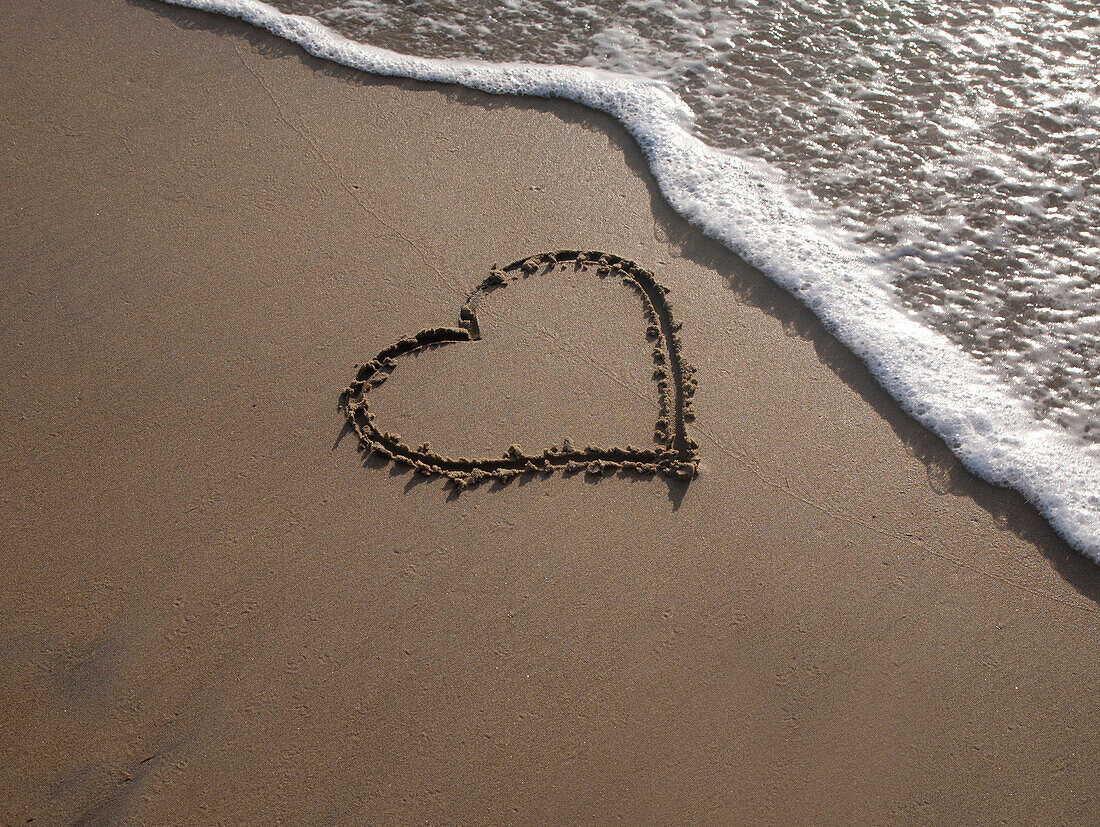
[
  {"x": 213, "y": 608},
  {"x": 745, "y": 204}
]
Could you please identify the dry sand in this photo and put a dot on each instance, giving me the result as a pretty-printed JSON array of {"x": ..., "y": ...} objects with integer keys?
[{"x": 213, "y": 610}]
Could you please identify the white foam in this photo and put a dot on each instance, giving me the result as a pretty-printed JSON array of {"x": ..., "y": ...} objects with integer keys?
[{"x": 752, "y": 210}]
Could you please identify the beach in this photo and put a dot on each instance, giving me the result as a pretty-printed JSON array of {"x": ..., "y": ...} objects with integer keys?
[{"x": 216, "y": 609}]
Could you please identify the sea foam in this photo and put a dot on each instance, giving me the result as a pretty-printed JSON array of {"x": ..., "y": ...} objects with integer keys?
[{"x": 752, "y": 209}]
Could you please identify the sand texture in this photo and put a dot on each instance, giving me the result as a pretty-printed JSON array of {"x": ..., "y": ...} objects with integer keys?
[{"x": 216, "y": 609}]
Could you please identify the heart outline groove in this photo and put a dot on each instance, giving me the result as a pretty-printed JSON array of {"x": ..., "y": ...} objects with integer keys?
[{"x": 676, "y": 454}]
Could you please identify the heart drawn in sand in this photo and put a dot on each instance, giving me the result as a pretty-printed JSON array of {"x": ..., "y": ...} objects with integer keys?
[{"x": 675, "y": 452}]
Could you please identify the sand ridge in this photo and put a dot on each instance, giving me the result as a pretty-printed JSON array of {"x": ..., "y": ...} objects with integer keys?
[{"x": 676, "y": 454}]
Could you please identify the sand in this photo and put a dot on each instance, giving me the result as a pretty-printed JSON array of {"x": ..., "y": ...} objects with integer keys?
[{"x": 213, "y": 609}]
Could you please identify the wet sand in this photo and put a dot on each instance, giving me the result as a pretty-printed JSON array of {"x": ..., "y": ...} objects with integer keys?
[{"x": 214, "y": 608}]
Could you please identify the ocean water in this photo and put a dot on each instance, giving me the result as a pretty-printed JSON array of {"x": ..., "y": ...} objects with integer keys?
[{"x": 924, "y": 175}]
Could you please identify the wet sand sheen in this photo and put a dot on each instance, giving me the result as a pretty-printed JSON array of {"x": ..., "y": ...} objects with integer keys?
[{"x": 212, "y": 610}]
